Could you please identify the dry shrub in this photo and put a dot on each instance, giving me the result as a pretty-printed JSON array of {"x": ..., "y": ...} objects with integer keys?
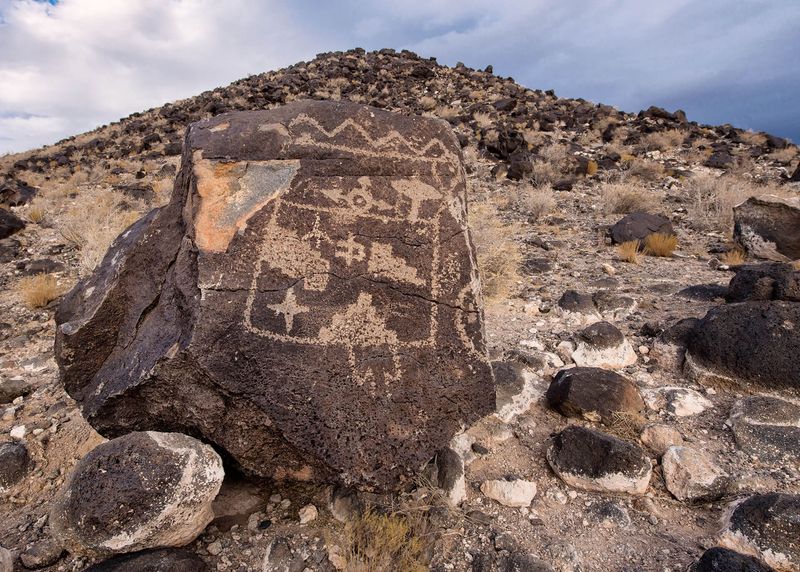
[
  {"x": 629, "y": 251},
  {"x": 784, "y": 156},
  {"x": 427, "y": 103},
  {"x": 660, "y": 244},
  {"x": 627, "y": 425},
  {"x": 752, "y": 138},
  {"x": 92, "y": 222},
  {"x": 534, "y": 202},
  {"x": 643, "y": 169},
  {"x": 663, "y": 140},
  {"x": 591, "y": 168},
  {"x": 625, "y": 197},
  {"x": 39, "y": 290},
  {"x": 499, "y": 256},
  {"x": 543, "y": 174},
  {"x": 734, "y": 257},
  {"x": 483, "y": 120},
  {"x": 375, "y": 542},
  {"x": 712, "y": 199},
  {"x": 36, "y": 211},
  {"x": 447, "y": 113},
  {"x": 556, "y": 154}
]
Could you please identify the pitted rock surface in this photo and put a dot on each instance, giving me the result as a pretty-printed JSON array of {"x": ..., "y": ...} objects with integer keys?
[
  {"x": 161, "y": 560},
  {"x": 769, "y": 227},
  {"x": 308, "y": 300},
  {"x": 719, "y": 559},
  {"x": 766, "y": 281},
  {"x": 593, "y": 393},
  {"x": 767, "y": 427},
  {"x": 638, "y": 226},
  {"x": 143, "y": 490}
]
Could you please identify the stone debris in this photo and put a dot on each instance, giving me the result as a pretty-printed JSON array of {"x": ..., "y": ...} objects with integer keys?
[
  {"x": 690, "y": 474},
  {"x": 603, "y": 345},
  {"x": 511, "y": 492},
  {"x": 768, "y": 428}
]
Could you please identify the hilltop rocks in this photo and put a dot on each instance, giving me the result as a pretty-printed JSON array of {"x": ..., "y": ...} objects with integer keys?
[
  {"x": 753, "y": 342},
  {"x": 14, "y": 463},
  {"x": 594, "y": 461},
  {"x": 143, "y": 490},
  {"x": 594, "y": 394},
  {"x": 768, "y": 428},
  {"x": 308, "y": 300},
  {"x": 768, "y": 227},
  {"x": 766, "y": 526},
  {"x": 691, "y": 475},
  {"x": 9, "y": 223},
  {"x": 638, "y": 226}
]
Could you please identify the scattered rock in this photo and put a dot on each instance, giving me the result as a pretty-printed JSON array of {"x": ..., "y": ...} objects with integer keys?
[
  {"x": 448, "y": 475},
  {"x": 766, "y": 281},
  {"x": 603, "y": 345},
  {"x": 768, "y": 227},
  {"x": 227, "y": 314},
  {"x": 768, "y": 428},
  {"x": 161, "y": 560},
  {"x": 9, "y": 223},
  {"x": 307, "y": 514},
  {"x": 14, "y": 463},
  {"x": 12, "y": 388},
  {"x": 692, "y": 475},
  {"x": 768, "y": 527},
  {"x": 510, "y": 492},
  {"x": 594, "y": 394},
  {"x": 719, "y": 559},
  {"x": 753, "y": 343},
  {"x": 680, "y": 401},
  {"x": 669, "y": 347},
  {"x": 515, "y": 389},
  {"x": 607, "y": 514},
  {"x": 523, "y": 562},
  {"x": 41, "y": 554},
  {"x": 594, "y": 461},
  {"x": 638, "y": 226},
  {"x": 139, "y": 491},
  {"x": 658, "y": 437}
]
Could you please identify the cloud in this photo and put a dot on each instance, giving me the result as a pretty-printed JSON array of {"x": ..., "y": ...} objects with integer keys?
[{"x": 72, "y": 65}]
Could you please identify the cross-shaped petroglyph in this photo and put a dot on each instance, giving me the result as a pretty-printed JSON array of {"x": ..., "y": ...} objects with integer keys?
[{"x": 289, "y": 308}]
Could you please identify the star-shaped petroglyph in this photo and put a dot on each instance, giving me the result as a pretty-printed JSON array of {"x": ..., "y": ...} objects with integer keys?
[
  {"x": 289, "y": 308},
  {"x": 350, "y": 250}
]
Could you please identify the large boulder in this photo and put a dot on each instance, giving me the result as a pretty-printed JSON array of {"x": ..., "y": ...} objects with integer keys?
[
  {"x": 143, "y": 490},
  {"x": 9, "y": 223},
  {"x": 767, "y": 427},
  {"x": 308, "y": 300},
  {"x": 720, "y": 559},
  {"x": 768, "y": 227},
  {"x": 765, "y": 281},
  {"x": 638, "y": 226},
  {"x": 594, "y": 394},
  {"x": 753, "y": 343}
]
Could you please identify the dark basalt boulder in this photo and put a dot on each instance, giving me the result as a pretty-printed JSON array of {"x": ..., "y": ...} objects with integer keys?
[
  {"x": 768, "y": 428},
  {"x": 638, "y": 226},
  {"x": 719, "y": 559},
  {"x": 766, "y": 281},
  {"x": 754, "y": 343},
  {"x": 14, "y": 193},
  {"x": 308, "y": 300},
  {"x": 14, "y": 463},
  {"x": 768, "y": 227},
  {"x": 161, "y": 560},
  {"x": 9, "y": 223},
  {"x": 593, "y": 393}
]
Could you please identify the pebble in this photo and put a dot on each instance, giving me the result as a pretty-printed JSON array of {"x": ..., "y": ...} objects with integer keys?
[
  {"x": 18, "y": 432},
  {"x": 214, "y": 548},
  {"x": 307, "y": 513}
]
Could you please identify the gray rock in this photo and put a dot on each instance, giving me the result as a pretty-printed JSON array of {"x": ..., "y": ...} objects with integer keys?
[
  {"x": 160, "y": 560},
  {"x": 139, "y": 491},
  {"x": 659, "y": 437},
  {"x": 6, "y": 560},
  {"x": 603, "y": 345},
  {"x": 719, "y": 559},
  {"x": 768, "y": 227},
  {"x": 10, "y": 389},
  {"x": 768, "y": 428},
  {"x": 14, "y": 463},
  {"x": 41, "y": 554},
  {"x": 766, "y": 281},
  {"x": 638, "y": 226},
  {"x": 691, "y": 474}
]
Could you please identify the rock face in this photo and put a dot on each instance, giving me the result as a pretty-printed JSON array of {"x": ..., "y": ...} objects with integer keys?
[
  {"x": 766, "y": 526},
  {"x": 143, "y": 490},
  {"x": 768, "y": 227},
  {"x": 767, "y": 427},
  {"x": 594, "y": 461},
  {"x": 14, "y": 463},
  {"x": 308, "y": 300},
  {"x": 594, "y": 394},
  {"x": 638, "y": 226},
  {"x": 766, "y": 281},
  {"x": 753, "y": 342},
  {"x": 9, "y": 223},
  {"x": 690, "y": 474},
  {"x": 162, "y": 560}
]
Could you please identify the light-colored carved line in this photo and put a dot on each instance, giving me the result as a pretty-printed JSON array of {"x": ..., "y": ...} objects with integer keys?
[{"x": 350, "y": 214}]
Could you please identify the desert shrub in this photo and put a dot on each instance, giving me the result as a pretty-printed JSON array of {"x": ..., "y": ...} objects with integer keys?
[
  {"x": 642, "y": 168},
  {"x": 784, "y": 156},
  {"x": 482, "y": 120},
  {"x": 499, "y": 256},
  {"x": 543, "y": 174},
  {"x": 39, "y": 290},
  {"x": 627, "y": 425},
  {"x": 36, "y": 211},
  {"x": 375, "y": 542},
  {"x": 427, "y": 103},
  {"x": 629, "y": 251},
  {"x": 447, "y": 113},
  {"x": 534, "y": 202},
  {"x": 660, "y": 244},
  {"x": 625, "y": 197},
  {"x": 734, "y": 257},
  {"x": 711, "y": 199},
  {"x": 663, "y": 140}
]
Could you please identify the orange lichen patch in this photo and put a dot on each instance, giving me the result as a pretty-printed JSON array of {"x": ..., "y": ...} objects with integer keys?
[
  {"x": 220, "y": 127},
  {"x": 231, "y": 193}
]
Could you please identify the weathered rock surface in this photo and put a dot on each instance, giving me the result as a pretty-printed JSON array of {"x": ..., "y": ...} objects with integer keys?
[
  {"x": 510, "y": 492},
  {"x": 692, "y": 475},
  {"x": 766, "y": 281},
  {"x": 6, "y": 560},
  {"x": 594, "y": 394},
  {"x": 515, "y": 390},
  {"x": 659, "y": 437},
  {"x": 679, "y": 401},
  {"x": 768, "y": 527},
  {"x": 308, "y": 300},
  {"x": 14, "y": 463},
  {"x": 42, "y": 553},
  {"x": 594, "y": 461},
  {"x": 447, "y": 473},
  {"x": 603, "y": 345},
  {"x": 9, "y": 223},
  {"x": 753, "y": 343},
  {"x": 768, "y": 428},
  {"x": 10, "y": 389},
  {"x": 161, "y": 560},
  {"x": 719, "y": 559},
  {"x": 638, "y": 226},
  {"x": 768, "y": 227},
  {"x": 143, "y": 490}
]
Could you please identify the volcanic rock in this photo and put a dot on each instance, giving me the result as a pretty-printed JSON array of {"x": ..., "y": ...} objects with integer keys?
[
  {"x": 768, "y": 428},
  {"x": 768, "y": 227},
  {"x": 594, "y": 394},
  {"x": 9, "y": 223},
  {"x": 12, "y": 388},
  {"x": 160, "y": 560},
  {"x": 766, "y": 281},
  {"x": 766, "y": 526},
  {"x": 594, "y": 461},
  {"x": 14, "y": 463},
  {"x": 690, "y": 474},
  {"x": 603, "y": 345},
  {"x": 638, "y": 226},
  {"x": 659, "y": 437},
  {"x": 752, "y": 343},
  {"x": 143, "y": 490},
  {"x": 719, "y": 559},
  {"x": 308, "y": 300}
]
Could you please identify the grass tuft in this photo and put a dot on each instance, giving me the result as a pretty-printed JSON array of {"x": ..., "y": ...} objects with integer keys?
[
  {"x": 734, "y": 257},
  {"x": 629, "y": 251},
  {"x": 39, "y": 290},
  {"x": 660, "y": 244},
  {"x": 499, "y": 256}
]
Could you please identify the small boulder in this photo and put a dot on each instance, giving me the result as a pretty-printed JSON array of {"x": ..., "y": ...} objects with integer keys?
[
  {"x": 160, "y": 560},
  {"x": 142, "y": 490},
  {"x": 41, "y": 554},
  {"x": 12, "y": 388},
  {"x": 638, "y": 226},
  {"x": 692, "y": 475},
  {"x": 14, "y": 463},
  {"x": 603, "y": 345},
  {"x": 659, "y": 437},
  {"x": 448, "y": 475},
  {"x": 511, "y": 492},
  {"x": 768, "y": 227},
  {"x": 766, "y": 281},
  {"x": 594, "y": 461},
  {"x": 768, "y": 428},
  {"x": 753, "y": 343},
  {"x": 679, "y": 401},
  {"x": 720, "y": 559},
  {"x": 9, "y": 223},
  {"x": 594, "y": 394},
  {"x": 766, "y": 526},
  {"x": 515, "y": 389}
]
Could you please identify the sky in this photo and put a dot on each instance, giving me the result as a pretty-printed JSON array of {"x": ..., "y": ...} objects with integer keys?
[{"x": 68, "y": 66}]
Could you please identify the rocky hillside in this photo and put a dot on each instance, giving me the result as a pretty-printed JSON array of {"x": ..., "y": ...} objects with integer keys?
[{"x": 643, "y": 351}]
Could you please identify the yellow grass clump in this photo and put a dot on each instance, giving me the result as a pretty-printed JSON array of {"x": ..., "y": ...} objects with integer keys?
[
  {"x": 39, "y": 290},
  {"x": 629, "y": 251},
  {"x": 734, "y": 257},
  {"x": 499, "y": 256},
  {"x": 534, "y": 202},
  {"x": 660, "y": 244}
]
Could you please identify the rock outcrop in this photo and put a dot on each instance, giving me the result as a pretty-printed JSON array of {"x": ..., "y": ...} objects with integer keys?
[
  {"x": 308, "y": 300},
  {"x": 768, "y": 227}
]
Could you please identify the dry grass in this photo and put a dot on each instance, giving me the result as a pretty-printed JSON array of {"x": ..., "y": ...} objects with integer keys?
[
  {"x": 483, "y": 120},
  {"x": 734, "y": 257},
  {"x": 543, "y": 174},
  {"x": 784, "y": 156},
  {"x": 629, "y": 252},
  {"x": 39, "y": 290},
  {"x": 36, "y": 211},
  {"x": 375, "y": 542},
  {"x": 642, "y": 168},
  {"x": 663, "y": 140},
  {"x": 660, "y": 244},
  {"x": 427, "y": 103},
  {"x": 625, "y": 197},
  {"x": 499, "y": 256},
  {"x": 712, "y": 199},
  {"x": 534, "y": 202},
  {"x": 447, "y": 113},
  {"x": 626, "y": 425}
]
